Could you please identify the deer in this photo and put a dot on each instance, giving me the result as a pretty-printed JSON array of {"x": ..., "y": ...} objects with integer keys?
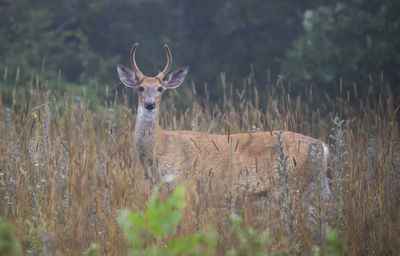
[{"x": 245, "y": 161}]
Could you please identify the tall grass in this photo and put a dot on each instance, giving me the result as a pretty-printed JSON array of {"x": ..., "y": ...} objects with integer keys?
[{"x": 67, "y": 167}]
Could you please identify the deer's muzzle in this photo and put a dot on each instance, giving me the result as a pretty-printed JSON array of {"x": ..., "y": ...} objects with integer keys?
[{"x": 149, "y": 104}]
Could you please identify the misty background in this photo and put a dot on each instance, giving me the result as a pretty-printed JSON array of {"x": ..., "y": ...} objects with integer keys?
[{"x": 309, "y": 43}]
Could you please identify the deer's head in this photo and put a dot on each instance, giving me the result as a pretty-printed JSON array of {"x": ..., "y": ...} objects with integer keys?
[{"x": 150, "y": 89}]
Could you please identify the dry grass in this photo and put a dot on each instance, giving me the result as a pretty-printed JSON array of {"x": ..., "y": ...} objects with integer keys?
[{"x": 66, "y": 171}]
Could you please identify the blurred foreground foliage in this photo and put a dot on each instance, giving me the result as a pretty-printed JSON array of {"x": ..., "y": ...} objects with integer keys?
[
  {"x": 9, "y": 245},
  {"x": 148, "y": 233}
]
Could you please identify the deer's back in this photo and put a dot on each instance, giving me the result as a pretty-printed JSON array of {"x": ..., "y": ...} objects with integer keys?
[{"x": 243, "y": 161}]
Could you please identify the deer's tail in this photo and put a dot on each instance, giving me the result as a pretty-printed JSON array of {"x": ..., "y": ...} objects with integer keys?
[{"x": 326, "y": 169}]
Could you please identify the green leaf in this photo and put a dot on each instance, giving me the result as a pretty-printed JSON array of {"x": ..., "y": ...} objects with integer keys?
[{"x": 183, "y": 245}]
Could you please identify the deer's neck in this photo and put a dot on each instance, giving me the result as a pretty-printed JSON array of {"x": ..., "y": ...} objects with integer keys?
[{"x": 146, "y": 133}]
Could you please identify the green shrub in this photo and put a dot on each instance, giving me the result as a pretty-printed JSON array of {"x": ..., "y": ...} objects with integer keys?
[
  {"x": 8, "y": 243},
  {"x": 250, "y": 241},
  {"x": 332, "y": 247},
  {"x": 147, "y": 231},
  {"x": 92, "y": 250}
]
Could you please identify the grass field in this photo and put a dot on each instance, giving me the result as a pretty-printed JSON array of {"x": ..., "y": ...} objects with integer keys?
[{"x": 67, "y": 167}]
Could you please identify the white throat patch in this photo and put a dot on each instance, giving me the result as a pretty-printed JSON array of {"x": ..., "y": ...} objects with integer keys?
[{"x": 146, "y": 115}]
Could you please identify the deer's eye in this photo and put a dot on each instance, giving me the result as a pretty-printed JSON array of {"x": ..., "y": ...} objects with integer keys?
[
  {"x": 160, "y": 89},
  {"x": 141, "y": 88}
]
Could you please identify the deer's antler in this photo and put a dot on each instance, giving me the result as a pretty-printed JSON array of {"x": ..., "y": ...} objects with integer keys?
[
  {"x": 135, "y": 68},
  {"x": 167, "y": 68}
]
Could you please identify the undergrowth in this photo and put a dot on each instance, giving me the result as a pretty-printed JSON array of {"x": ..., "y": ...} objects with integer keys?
[{"x": 67, "y": 169}]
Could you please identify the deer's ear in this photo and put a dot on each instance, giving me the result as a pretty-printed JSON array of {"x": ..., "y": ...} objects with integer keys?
[
  {"x": 127, "y": 76},
  {"x": 174, "y": 79}
]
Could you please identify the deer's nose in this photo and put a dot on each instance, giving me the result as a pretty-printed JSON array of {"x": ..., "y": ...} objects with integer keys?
[{"x": 149, "y": 104}]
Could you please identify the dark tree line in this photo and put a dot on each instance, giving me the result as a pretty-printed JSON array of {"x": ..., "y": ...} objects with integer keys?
[{"x": 305, "y": 41}]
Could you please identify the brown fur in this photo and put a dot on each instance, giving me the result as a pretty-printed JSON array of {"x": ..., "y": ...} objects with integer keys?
[{"x": 247, "y": 162}]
